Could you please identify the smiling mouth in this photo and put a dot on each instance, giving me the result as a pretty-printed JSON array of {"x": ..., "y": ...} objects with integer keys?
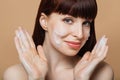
[{"x": 73, "y": 45}]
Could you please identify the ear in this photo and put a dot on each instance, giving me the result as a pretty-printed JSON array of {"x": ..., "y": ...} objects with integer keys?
[{"x": 43, "y": 21}]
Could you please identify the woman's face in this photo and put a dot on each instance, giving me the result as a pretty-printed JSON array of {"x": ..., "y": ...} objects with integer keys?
[{"x": 67, "y": 34}]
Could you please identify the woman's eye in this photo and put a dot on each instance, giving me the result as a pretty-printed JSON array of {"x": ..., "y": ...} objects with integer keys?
[
  {"x": 68, "y": 20},
  {"x": 87, "y": 23}
]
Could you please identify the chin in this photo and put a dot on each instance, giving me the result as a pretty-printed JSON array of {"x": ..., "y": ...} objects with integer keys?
[{"x": 71, "y": 53}]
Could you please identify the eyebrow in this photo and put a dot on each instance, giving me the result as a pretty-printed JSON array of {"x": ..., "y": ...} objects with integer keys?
[{"x": 69, "y": 16}]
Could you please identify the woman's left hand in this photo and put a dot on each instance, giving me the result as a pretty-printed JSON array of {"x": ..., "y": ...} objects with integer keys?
[{"x": 85, "y": 67}]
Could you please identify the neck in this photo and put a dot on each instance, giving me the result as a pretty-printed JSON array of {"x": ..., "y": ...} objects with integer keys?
[
  {"x": 58, "y": 63},
  {"x": 56, "y": 59}
]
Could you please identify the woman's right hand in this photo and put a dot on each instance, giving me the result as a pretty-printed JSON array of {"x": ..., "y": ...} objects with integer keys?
[{"x": 34, "y": 61}]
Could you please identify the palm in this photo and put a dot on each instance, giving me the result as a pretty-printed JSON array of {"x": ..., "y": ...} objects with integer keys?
[
  {"x": 85, "y": 67},
  {"x": 34, "y": 61}
]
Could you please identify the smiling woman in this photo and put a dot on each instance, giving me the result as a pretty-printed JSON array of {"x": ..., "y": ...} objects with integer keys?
[
  {"x": 63, "y": 44},
  {"x": 66, "y": 36},
  {"x": 85, "y": 9}
]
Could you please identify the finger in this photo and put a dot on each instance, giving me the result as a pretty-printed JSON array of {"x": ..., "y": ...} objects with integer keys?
[
  {"x": 86, "y": 56},
  {"x": 103, "y": 53},
  {"x": 20, "y": 51},
  {"x": 27, "y": 41},
  {"x": 30, "y": 39},
  {"x": 91, "y": 66},
  {"x": 26, "y": 63},
  {"x": 98, "y": 58},
  {"x": 24, "y": 39},
  {"x": 83, "y": 61},
  {"x": 97, "y": 45},
  {"x": 99, "y": 49},
  {"x": 41, "y": 53},
  {"x": 102, "y": 47},
  {"x": 19, "y": 40},
  {"x": 30, "y": 65},
  {"x": 95, "y": 61},
  {"x": 17, "y": 44},
  {"x": 101, "y": 44}
]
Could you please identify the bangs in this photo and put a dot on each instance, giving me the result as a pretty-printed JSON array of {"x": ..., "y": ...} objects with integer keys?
[{"x": 77, "y": 8}]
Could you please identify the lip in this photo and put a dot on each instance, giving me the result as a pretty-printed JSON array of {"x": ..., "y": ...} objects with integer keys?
[{"x": 73, "y": 44}]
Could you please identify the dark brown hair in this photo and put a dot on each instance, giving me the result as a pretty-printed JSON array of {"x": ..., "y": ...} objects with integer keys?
[{"x": 77, "y": 8}]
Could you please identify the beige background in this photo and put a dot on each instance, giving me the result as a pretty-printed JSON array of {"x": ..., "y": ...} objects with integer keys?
[{"x": 14, "y": 13}]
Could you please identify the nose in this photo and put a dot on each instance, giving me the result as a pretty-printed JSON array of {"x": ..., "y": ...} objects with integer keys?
[{"x": 77, "y": 31}]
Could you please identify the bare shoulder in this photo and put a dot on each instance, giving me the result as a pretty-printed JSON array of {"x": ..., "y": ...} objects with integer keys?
[
  {"x": 15, "y": 72},
  {"x": 103, "y": 72}
]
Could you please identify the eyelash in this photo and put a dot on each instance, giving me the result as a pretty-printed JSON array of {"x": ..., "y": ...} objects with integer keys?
[
  {"x": 86, "y": 23},
  {"x": 68, "y": 20}
]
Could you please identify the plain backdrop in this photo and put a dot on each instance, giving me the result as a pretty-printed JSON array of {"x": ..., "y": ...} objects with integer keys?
[{"x": 15, "y": 13}]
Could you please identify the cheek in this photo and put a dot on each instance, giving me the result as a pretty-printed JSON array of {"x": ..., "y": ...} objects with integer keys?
[
  {"x": 61, "y": 31},
  {"x": 58, "y": 33}
]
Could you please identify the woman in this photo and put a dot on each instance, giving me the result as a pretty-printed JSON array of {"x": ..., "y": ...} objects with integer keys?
[{"x": 63, "y": 45}]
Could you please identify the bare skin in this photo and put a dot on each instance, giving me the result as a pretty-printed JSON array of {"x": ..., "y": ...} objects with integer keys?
[
  {"x": 41, "y": 65},
  {"x": 18, "y": 72}
]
